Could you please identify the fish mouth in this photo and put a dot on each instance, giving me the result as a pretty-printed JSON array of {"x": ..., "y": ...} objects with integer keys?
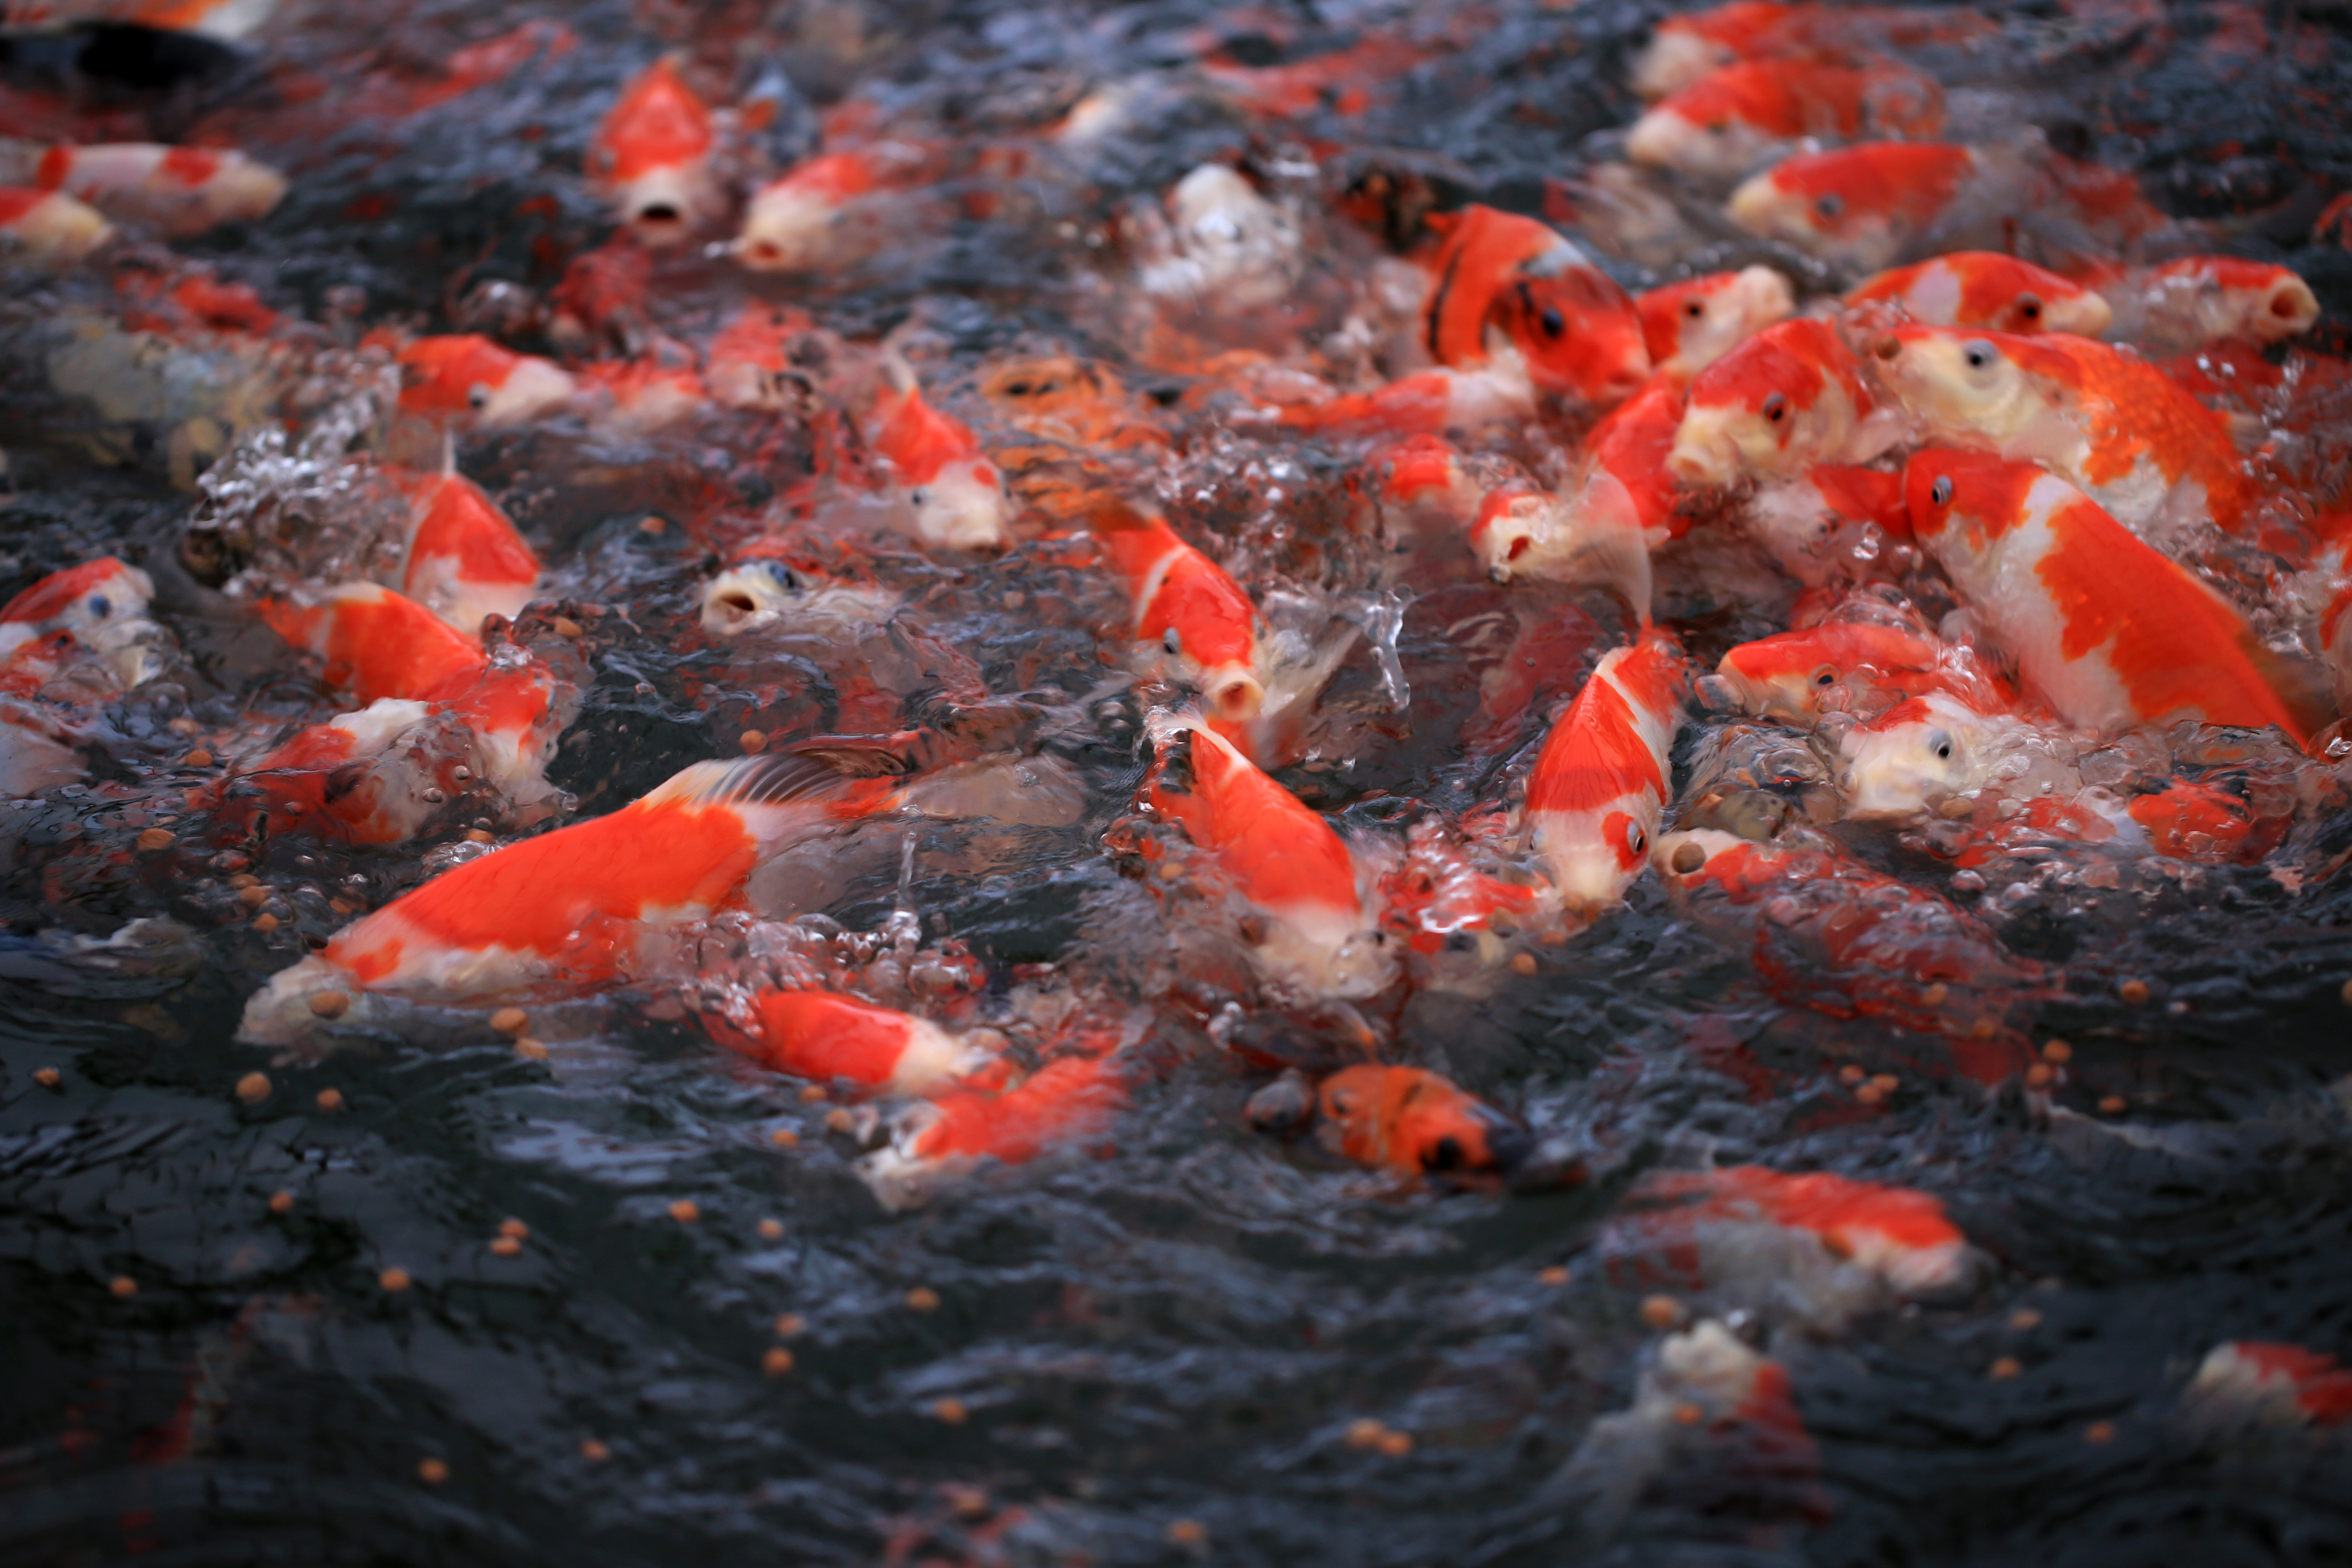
[{"x": 1235, "y": 697}]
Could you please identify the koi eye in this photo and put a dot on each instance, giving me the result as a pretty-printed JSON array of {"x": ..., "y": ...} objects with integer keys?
[
  {"x": 921, "y": 496},
  {"x": 477, "y": 396},
  {"x": 1979, "y": 354},
  {"x": 1694, "y": 310},
  {"x": 1635, "y": 839},
  {"x": 1174, "y": 642},
  {"x": 1831, "y": 206},
  {"x": 1776, "y": 408},
  {"x": 1552, "y": 322},
  {"x": 1940, "y": 492},
  {"x": 1825, "y": 676},
  {"x": 1941, "y": 744},
  {"x": 100, "y": 607},
  {"x": 2030, "y": 307}
]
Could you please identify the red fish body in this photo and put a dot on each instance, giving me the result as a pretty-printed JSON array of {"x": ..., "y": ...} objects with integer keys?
[
  {"x": 652, "y": 154},
  {"x": 178, "y": 192},
  {"x": 1689, "y": 326},
  {"x": 830, "y": 1037},
  {"x": 1691, "y": 1230},
  {"x": 49, "y": 228},
  {"x": 1739, "y": 115},
  {"x": 1851, "y": 665},
  {"x": 1986, "y": 289},
  {"x": 2268, "y": 1383},
  {"x": 1190, "y": 610},
  {"x": 2108, "y": 422},
  {"x": 465, "y": 560},
  {"x": 1787, "y": 399},
  {"x": 1412, "y": 1120},
  {"x": 1600, "y": 782},
  {"x": 2111, "y": 633},
  {"x": 570, "y": 909},
  {"x": 1576, "y": 330},
  {"x": 1426, "y": 403},
  {"x": 957, "y": 494},
  {"x": 469, "y": 376},
  {"x": 1278, "y": 856},
  {"x": 1858, "y": 207},
  {"x": 1602, "y": 525},
  {"x": 1064, "y": 1104},
  {"x": 1815, "y": 524},
  {"x": 375, "y": 643},
  {"x": 1685, "y": 49}
]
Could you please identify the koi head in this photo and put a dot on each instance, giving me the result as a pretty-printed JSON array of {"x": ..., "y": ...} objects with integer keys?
[
  {"x": 1767, "y": 409},
  {"x": 1985, "y": 288},
  {"x": 1594, "y": 856},
  {"x": 102, "y": 605},
  {"x": 1702, "y": 130},
  {"x": 1912, "y": 758},
  {"x": 1679, "y": 54},
  {"x": 749, "y": 597},
  {"x": 961, "y": 506},
  {"x": 1578, "y": 332},
  {"x": 652, "y": 152},
  {"x": 790, "y": 224},
  {"x": 1960, "y": 383},
  {"x": 2226, "y": 297},
  {"x": 469, "y": 374},
  {"x": 1857, "y": 205},
  {"x": 1789, "y": 676},
  {"x": 1690, "y": 326},
  {"x": 1411, "y": 1119},
  {"x": 1511, "y": 523},
  {"x": 49, "y": 228}
]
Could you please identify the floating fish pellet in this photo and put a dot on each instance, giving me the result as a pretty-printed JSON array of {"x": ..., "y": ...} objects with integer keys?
[{"x": 253, "y": 1088}]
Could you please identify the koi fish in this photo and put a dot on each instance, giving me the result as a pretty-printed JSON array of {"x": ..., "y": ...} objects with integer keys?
[
  {"x": 1986, "y": 289},
  {"x": 2191, "y": 821},
  {"x": 375, "y": 643},
  {"x": 1689, "y": 1229},
  {"x": 1280, "y": 858},
  {"x": 826, "y": 1035},
  {"x": 468, "y": 376},
  {"x": 1817, "y": 525},
  {"x": 2201, "y": 301},
  {"x": 1843, "y": 664},
  {"x": 2107, "y": 422},
  {"x": 1190, "y": 608},
  {"x": 1412, "y": 1120},
  {"x": 465, "y": 561},
  {"x": 1689, "y": 326},
  {"x": 1739, "y": 115},
  {"x": 2269, "y": 1383},
  {"x": 1226, "y": 246},
  {"x": 754, "y": 361},
  {"x": 1576, "y": 330},
  {"x": 1857, "y": 206},
  {"x": 2110, "y": 632},
  {"x": 1788, "y": 399},
  {"x": 179, "y": 192},
  {"x": 957, "y": 494},
  {"x": 1602, "y": 526},
  {"x": 1427, "y": 403},
  {"x": 652, "y": 154},
  {"x": 1600, "y": 782},
  {"x": 1920, "y": 753},
  {"x": 640, "y": 395},
  {"x": 101, "y": 608},
  {"x": 49, "y": 228},
  {"x": 572, "y": 908},
  {"x": 1829, "y": 933},
  {"x": 1423, "y": 487},
  {"x": 795, "y": 223},
  {"x": 752, "y": 598},
  {"x": 1685, "y": 49},
  {"x": 1065, "y": 1102}
]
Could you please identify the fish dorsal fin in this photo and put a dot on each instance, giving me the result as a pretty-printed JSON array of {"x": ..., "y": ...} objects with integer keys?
[
  {"x": 872, "y": 756},
  {"x": 770, "y": 780},
  {"x": 2301, "y": 687}
]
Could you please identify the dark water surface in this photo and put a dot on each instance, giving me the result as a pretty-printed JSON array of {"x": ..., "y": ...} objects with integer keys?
[{"x": 1154, "y": 1349}]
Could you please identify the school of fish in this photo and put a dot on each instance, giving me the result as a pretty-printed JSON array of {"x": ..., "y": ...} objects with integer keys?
[{"x": 1862, "y": 537}]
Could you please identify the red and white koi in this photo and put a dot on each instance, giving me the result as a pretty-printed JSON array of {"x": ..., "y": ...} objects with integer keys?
[
  {"x": 48, "y": 228},
  {"x": 1985, "y": 288},
  {"x": 1921, "y": 752},
  {"x": 832, "y": 1038},
  {"x": 1851, "y": 666},
  {"x": 1829, "y": 519},
  {"x": 102, "y": 606},
  {"x": 956, "y": 494},
  {"x": 176, "y": 191},
  {"x": 1188, "y": 609},
  {"x": 466, "y": 560},
  {"x": 1606, "y": 520},
  {"x": 2265, "y": 1382},
  {"x": 1279, "y": 857},
  {"x": 803, "y": 220},
  {"x": 1065, "y": 1103},
  {"x": 1787, "y": 399},
  {"x": 469, "y": 376},
  {"x": 2105, "y": 421},
  {"x": 1741, "y": 114},
  {"x": 2109, "y": 631},
  {"x": 374, "y": 642},
  {"x": 570, "y": 909},
  {"x": 1698, "y": 1231},
  {"x": 2199, "y": 301},
  {"x": 1600, "y": 782},
  {"x": 1689, "y": 325},
  {"x": 652, "y": 155},
  {"x": 1504, "y": 282},
  {"x": 1685, "y": 49},
  {"x": 1856, "y": 207}
]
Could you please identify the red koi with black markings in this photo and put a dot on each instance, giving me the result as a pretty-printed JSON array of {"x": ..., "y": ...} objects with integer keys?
[{"x": 1576, "y": 331}]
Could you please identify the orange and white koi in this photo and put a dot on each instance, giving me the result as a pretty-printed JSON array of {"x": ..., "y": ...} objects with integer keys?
[
  {"x": 2199, "y": 301},
  {"x": 2268, "y": 1383},
  {"x": 1517, "y": 280},
  {"x": 1685, "y": 1230},
  {"x": 1190, "y": 608},
  {"x": 465, "y": 559},
  {"x": 1225, "y": 247},
  {"x": 1829, "y": 934},
  {"x": 2106, "y": 421},
  {"x": 1855, "y": 206},
  {"x": 1600, "y": 782},
  {"x": 1604, "y": 524},
  {"x": 1063, "y": 1104},
  {"x": 1689, "y": 325},
  {"x": 956, "y": 493},
  {"x": 1279, "y": 857},
  {"x": 752, "y": 362},
  {"x": 572, "y": 908},
  {"x": 1739, "y": 115},
  {"x": 653, "y": 155},
  {"x": 834, "y": 1038},
  {"x": 1412, "y": 1120},
  {"x": 1787, "y": 399},
  {"x": 1986, "y": 289},
  {"x": 802, "y": 221},
  {"x": 2111, "y": 633},
  {"x": 176, "y": 191},
  {"x": 2187, "y": 820},
  {"x": 1847, "y": 664},
  {"x": 469, "y": 376},
  {"x": 374, "y": 642},
  {"x": 49, "y": 228}
]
